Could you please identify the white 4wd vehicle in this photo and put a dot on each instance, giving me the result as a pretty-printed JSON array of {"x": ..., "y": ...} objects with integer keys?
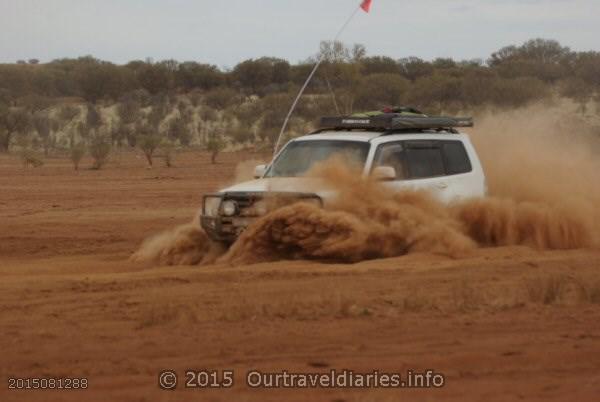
[{"x": 404, "y": 149}]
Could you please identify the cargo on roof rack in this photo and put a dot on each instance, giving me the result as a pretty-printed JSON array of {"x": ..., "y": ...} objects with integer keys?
[{"x": 394, "y": 121}]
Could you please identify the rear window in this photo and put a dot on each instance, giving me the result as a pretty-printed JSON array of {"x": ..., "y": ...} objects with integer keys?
[
  {"x": 422, "y": 159},
  {"x": 457, "y": 160}
]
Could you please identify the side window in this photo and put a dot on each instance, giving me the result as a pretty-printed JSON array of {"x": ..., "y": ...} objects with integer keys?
[
  {"x": 424, "y": 159},
  {"x": 393, "y": 155},
  {"x": 457, "y": 160}
]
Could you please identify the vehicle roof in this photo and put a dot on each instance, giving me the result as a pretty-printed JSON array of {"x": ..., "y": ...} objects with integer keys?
[{"x": 379, "y": 137}]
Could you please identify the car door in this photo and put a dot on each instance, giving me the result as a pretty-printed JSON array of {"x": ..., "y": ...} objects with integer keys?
[
  {"x": 425, "y": 165},
  {"x": 462, "y": 179}
]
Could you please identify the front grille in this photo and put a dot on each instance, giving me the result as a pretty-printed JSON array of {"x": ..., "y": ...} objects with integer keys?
[
  {"x": 245, "y": 203},
  {"x": 228, "y": 228},
  {"x": 258, "y": 204}
]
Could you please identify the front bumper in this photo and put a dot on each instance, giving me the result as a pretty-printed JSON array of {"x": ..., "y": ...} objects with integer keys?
[
  {"x": 227, "y": 229},
  {"x": 223, "y": 229}
]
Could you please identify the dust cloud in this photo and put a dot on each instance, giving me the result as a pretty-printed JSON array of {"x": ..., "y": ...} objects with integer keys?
[
  {"x": 368, "y": 221},
  {"x": 504, "y": 222},
  {"x": 244, "y": 171},
  {"x": 183, "y": 245},
  {"x": 544, "y": 155},
  {"x": 543, "y": 189}
]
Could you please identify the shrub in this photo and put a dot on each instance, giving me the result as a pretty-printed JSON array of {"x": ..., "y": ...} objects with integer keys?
[
  {"x": 148, "y": 142},
  {"x": 379, "y": 90},
  {"x": 99, "y": 151},
  {"x": 30, "y": 157},
  {"x": 221, "y": 98},
  {"x": 77, "y": 152},
  {"x": 179, "y": 130},
  {"x": 588, "y": 290},
  {"x": 168, "y": 152},
  {"x": 216, "y": 143},
  {"x": 545, "y": 290}
]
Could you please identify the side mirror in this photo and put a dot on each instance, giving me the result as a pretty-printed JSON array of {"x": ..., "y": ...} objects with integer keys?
[
  {"x": 259, "y": 171},
  {"x": 384, "y": 173}
]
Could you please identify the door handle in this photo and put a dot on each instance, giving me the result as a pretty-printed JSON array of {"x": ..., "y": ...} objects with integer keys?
[{"x": 442, "y": 186}]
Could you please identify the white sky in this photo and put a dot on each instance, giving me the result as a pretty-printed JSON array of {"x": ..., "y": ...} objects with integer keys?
[{"x": 224, "y": 32}]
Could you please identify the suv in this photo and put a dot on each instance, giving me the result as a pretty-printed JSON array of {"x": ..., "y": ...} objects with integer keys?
[{"x": 403, "y": 148}]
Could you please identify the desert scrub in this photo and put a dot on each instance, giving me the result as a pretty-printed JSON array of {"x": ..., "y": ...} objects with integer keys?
[
  {"x": 545, "y": 289},
  {"x": 216, "y": 143},
  {"x": 148, "y": 142},
  {"x": 76, "y": 153},
  {"x": 29, "y": 157},
  {"x": 168, "y": 151},
  {"x": 588, "y": 290},
  {"x": 99, "y": 150}
]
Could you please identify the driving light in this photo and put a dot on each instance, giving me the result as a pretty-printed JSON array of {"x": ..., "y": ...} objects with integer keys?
[
  {"x": 229, "y": 208},
  {"x": 211, "y": 206}
]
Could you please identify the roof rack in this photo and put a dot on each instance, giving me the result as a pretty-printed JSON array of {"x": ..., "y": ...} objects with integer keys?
[{"x": 395, "y": 119}]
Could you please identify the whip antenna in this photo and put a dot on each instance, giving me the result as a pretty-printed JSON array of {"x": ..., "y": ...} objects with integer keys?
[{"x": 366, "y": 7}]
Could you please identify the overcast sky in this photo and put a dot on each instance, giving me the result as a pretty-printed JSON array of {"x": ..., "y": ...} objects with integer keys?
[{"x": 224, "y": 32}]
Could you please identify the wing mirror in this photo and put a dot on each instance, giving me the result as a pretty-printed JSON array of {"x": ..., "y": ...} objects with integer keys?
[
  {"x": 259, "y": 171},
  {"x": 384, "y": 173}
]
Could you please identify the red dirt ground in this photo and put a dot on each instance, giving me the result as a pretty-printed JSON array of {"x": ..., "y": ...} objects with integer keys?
[{"x": 503, "y": 324}]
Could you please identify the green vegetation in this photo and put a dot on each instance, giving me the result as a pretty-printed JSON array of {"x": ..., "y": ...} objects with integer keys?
[
  {"x": 71, "y": 105},
  {"x": 99, "y": 149},
  {"x": 77, "y": 152},
  {"x": 30, "y": 157}
]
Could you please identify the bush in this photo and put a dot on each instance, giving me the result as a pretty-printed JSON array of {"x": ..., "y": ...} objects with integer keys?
[
  {"x": 99, "y": 151},
  {"x": 30, "y": 157},
  {"x": 436, "y": 92},
  {"x": 168, "y": 152},
  {"x": 518, "y": 91},
  {"x": 179, "y": 130},
  {"x": 221, "y": 98},
  {"x": 545, "y": 290},
  {"x": 77, "y": 151},
  {"x": 12, "y": 122},
  {"x": 216, "y": 143},
  {"x": 148, "y": 142},
  {"x": 380, "y": 90}
]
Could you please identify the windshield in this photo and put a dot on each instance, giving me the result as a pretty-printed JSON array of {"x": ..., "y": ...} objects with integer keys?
[{"x": 299, "y": 156}]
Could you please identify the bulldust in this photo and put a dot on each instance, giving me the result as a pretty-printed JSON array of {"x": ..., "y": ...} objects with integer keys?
[{"x": 543, "y": 187}]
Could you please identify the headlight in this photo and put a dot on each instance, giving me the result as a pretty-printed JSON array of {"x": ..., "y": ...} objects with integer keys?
[
  {"x": 211, "y": 205},
  {"x": 229, "y": 208}
]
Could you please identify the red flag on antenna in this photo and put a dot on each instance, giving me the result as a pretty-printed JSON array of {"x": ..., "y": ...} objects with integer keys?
[{"x": 366, "y": 5}]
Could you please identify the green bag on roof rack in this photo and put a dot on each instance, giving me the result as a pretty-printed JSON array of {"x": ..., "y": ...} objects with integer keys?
[
  {"x": 403, "y": 110},
  {"x": 397, "y": 118}
]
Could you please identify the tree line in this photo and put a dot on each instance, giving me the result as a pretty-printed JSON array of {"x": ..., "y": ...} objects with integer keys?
[{"x": 87, "y": 102}]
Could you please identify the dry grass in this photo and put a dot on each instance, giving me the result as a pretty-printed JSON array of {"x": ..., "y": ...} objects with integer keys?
[
  {"x": 294, "y": 307},
  {"x": 465, "y": 298},
  {"x": 587, "y": 290},
  {"x": 418, "y": 301},
  {"x": 169, "y": 313},
  {"x": 30, "y": 157},
  {"x": 546, "y": 290},
  {"x": 461, "y": 297}
]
